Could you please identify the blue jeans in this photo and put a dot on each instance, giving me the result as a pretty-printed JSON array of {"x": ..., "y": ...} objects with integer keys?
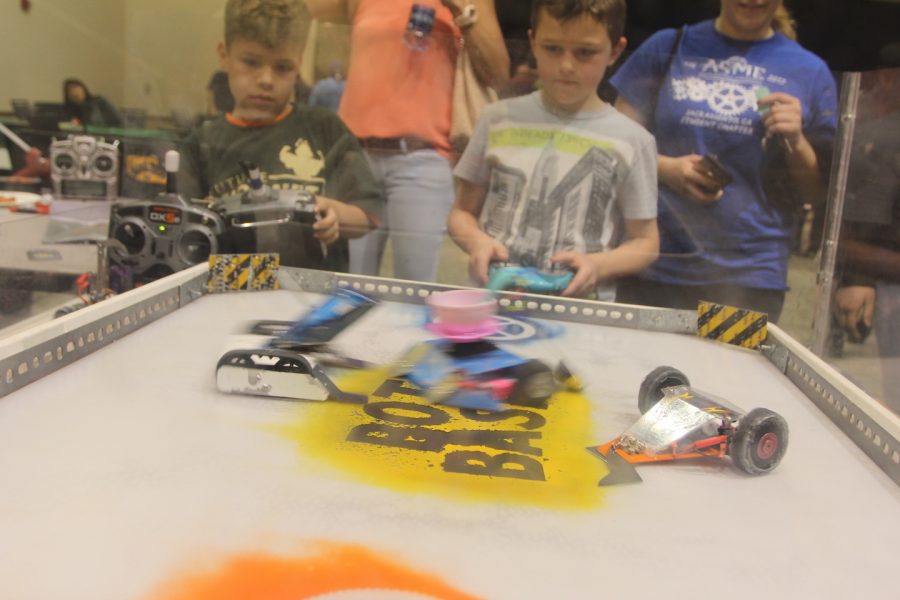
[
  {"x": 418, "y": 189},
  {"x": 634, "y": 290},
  {"x": 887, "y": 332}
]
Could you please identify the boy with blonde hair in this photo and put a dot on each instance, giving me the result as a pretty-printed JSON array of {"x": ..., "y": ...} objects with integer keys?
[
  {"x": 295, "y": 147},
  {"x": 559, "y": 178}
]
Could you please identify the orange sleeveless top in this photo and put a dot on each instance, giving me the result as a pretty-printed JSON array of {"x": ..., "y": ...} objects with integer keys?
[{"x": 393, "y": 90}]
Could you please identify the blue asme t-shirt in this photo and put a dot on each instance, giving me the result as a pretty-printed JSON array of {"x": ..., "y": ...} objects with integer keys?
[{"x": 708, "y": 105}]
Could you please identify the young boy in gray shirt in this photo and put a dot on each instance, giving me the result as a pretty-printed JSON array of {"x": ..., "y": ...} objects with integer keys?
[{"x": 559, "y": 177}]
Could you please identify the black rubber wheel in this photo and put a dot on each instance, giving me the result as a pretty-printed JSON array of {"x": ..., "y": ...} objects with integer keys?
[
  {"x": 652, "y": 387},
  {"x": 61, "y": 312},
  {"x": 760, "y": 441},
  {"x": 535, "y": 384}
]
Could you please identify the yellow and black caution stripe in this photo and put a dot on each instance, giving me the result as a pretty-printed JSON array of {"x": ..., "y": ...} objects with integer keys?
[
  {"x": 232, "y": 272},
  {"x": 731, "y": 325}
]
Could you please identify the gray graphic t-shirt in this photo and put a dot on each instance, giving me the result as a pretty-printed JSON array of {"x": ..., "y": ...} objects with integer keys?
[{"x": 559, "y": 182}]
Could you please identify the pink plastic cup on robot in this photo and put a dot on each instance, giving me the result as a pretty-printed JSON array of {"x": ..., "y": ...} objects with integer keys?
[{"x": 463, "y": 315}]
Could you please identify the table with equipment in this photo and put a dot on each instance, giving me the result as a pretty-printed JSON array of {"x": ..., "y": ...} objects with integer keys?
[{"x": 128, "y": 475}]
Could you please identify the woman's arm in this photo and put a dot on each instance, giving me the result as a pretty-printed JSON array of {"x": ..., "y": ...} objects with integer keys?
[
  {"x": 484, "y": 41},
  {"x": 784, "y": 125}
]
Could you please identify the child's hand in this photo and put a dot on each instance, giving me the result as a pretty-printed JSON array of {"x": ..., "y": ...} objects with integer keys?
[
  {"x": 481, "y": 256},
  {"x": 686, "y": 176},
  {"x": 327, "y": 228},
  {"x": 586, "y": 273},
  {"x": 783, "y": 115}
]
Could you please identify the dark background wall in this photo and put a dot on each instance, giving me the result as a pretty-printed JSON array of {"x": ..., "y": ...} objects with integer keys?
[{"x": 850, "y": 35}]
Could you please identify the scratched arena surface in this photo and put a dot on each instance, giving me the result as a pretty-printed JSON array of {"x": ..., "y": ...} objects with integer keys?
[{"x": 127, "y": 475}]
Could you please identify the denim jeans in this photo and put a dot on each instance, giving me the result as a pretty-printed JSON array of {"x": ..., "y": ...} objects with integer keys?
[
  {"x": 887, "y": 332},
  {"x": 418, "y": 189},
  {"x": 634, "y": 290}
]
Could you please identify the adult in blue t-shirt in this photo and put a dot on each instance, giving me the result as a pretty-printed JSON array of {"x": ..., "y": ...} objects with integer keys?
[
  {"x": 327, "y": 92},
  {"x": 740, "y": 88}
]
